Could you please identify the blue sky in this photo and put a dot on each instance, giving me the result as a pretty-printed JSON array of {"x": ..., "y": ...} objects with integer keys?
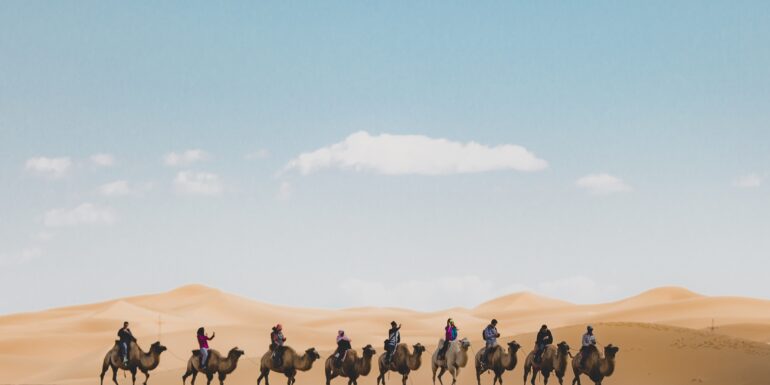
[{"x": 651, "y": 120}]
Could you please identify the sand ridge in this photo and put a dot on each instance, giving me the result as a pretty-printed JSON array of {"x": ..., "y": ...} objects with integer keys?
[{"x": 663, "y": 335}]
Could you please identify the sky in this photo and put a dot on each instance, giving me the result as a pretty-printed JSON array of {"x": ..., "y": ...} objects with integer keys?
[{"x": 424, "y": 155}]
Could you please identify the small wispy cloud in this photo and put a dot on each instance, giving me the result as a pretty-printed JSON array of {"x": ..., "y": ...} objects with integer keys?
[
  {"x": 602, "y": 184},
  {"x": 123, "y": 188},
  {"x": 102, "y": 160},
  {"x": 198, "y": 183},
  {"x": 748, "y": 181},
  {"x": 259, "y": 154},
  {"x": 83, "y": 214},
  {"x": 53, "y": 168},
  {"x": 414, "y": 154},
  {"x": 185, "y": 158},
  {"x": 285, "y": 190},
  {"x": 25, "y": 255}
]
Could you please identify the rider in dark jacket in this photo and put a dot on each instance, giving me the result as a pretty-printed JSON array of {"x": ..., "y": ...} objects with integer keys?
[
  {"x": 394, "y": 338},
  {"x": 544, "y": 338},
  {"x": 126, "y": 338}
]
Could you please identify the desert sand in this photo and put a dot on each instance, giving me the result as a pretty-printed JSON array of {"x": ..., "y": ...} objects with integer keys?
[{"x": 664, "y": 335}]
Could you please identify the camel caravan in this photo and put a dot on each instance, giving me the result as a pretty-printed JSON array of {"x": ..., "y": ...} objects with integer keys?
[{"x": 451, "y": 355}]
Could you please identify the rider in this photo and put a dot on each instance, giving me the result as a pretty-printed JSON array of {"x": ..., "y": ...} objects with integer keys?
[
  {"x": 203, "y": 342},
  {"x": 276, "y": 344},
  {"x": 490, "y": 335},
  {"x": 588, "y": 344},
  {"x": 125, "y": 337},
  {"x": 450, "y": 334},
  {"x": 544, "y": 338},
  {"x": 394, "y": 338},
  {"x": 343, "y": 345}
]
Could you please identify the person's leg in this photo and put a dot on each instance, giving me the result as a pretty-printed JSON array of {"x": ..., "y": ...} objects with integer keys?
[
  {"x": 204, "y": 357},
  {"x": 442, "y": 351},
  {"x": 583, "y": 355},
  {"x": 124, "y": 351}
]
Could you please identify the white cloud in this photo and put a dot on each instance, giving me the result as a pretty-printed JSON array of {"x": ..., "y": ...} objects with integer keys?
[
  {"x": 432, "y": 294},
  {"x": 84, "y": 214},
  {"x": 43, "y": 236},
  {"x": 103, "y": 160},
  {"x": 116, "y": 188},
  {"x": 579, "y": 289},
  {"x": 185, "y": 158},
  {"x": 122, "y": 188},
  {"x": 49, "y": 167},
  {"x": 259, "y": 154},
  {"x": 285, "y": 190},
  {"x": 749, "y": 181},
  {"x": 602, "y": 184},
  {"x": 198, "y": 183},
  {"x": 415, "y": 154},
  {"x": 25, "y": 255}
]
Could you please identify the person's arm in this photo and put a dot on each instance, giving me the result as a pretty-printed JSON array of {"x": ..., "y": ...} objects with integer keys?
[{"x": 213, "y": 334}]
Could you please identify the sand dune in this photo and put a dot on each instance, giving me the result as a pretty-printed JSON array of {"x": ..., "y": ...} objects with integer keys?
[{"x": 662, "y": 334}]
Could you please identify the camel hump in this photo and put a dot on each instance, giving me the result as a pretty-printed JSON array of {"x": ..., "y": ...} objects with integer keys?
[{"x": 196, "y": 352}]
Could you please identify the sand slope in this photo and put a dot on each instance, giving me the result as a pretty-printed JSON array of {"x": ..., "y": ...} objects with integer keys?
[{"x": 662, "y": 335}]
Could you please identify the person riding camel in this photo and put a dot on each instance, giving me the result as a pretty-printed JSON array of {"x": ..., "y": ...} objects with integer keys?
[
  {"x": 588, "y": 344},
  {"x": 490, "y": 335},
  {"x": 125, "y": 337},
  {"x": 450, "y": 334},
  {"x": 203, "y": 342},
  {"x": 276, "y": 344},
  {"x": 544, "y": 338},
  {"x": 343, "y": 345},
  {"x": 394, "y": 338}
]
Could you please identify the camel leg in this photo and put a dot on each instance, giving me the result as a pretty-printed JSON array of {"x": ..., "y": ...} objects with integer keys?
[
  {"x": 403, "y": 379},
  {"x": 133, "y": 376},
  {"x": 576, "y": 379},
  {"x": 441, "y": 373},
  {"x": 209, "y": 377},
  {"x": 105, "y": 365},
  {"x": 545, "y": 377},
  {"x": 526, "y": 373},
  {"x": 329, "y": 376},
  {"x": 455, "y": 374},
  {"x": 192, "y": 380},
  {"x": 115, "y": 374},
  {"x": 222, "y": 378},
  {"x": 534, "y": 374},
  {"x": 263, "y": 374},
  {"x": 146, "y": 376},
  {"x": 478, "y": 377}
]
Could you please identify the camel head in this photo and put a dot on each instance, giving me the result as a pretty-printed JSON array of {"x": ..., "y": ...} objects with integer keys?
[
  {"x": 312, "y": 354},
  {"x": 157, "y": 348},
  {"x": 563, "y": 348},
  {"x": 235, "y": 353},
  {"x": 465, "y": 344},
  {"x": 418, "y": 348},
  {"x": 513, "y": 346},
  {"x": 369, "y": 351},
  {"x": 610, "y": 351}
]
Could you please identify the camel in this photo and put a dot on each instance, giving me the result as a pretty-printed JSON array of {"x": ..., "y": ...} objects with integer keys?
[
  {"x": 402, "y": 362},
  {"x": 137, "y": 359},
  {"x": 596, "y": 367},
  {"x": 554, "y": 359},
  {"x": 292, "y": 362},
  {"x": 352, "y": 366},
  {"x": 499, "y": 361},
  {"x": 456, "y": 357},
  {"x": 215, "y": 364}
]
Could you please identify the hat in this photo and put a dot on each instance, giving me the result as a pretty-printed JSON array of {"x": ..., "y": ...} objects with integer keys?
[{"x": 589, "y": 327}]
